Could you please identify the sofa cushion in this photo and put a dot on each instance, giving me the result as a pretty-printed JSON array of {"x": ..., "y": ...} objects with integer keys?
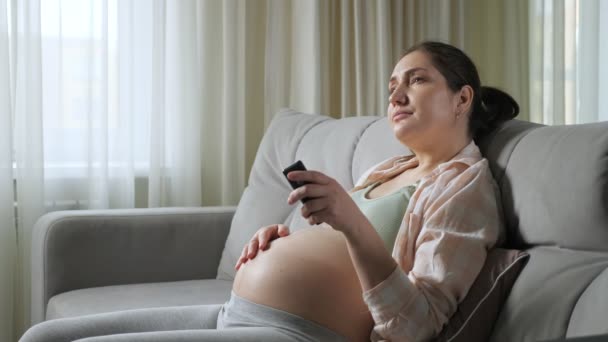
[
  {"x": 138, "y": 296},
  {"x": 474, "y": 319},
  {"x": 551, "y": 294},
  {"x": 552, "y": 179}
]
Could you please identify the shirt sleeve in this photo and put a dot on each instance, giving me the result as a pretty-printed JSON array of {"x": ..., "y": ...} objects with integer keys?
[{"x": 461, "y": 222}]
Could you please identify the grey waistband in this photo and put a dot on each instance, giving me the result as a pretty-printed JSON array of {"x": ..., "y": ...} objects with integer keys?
[{"x": 240, "y": 312}]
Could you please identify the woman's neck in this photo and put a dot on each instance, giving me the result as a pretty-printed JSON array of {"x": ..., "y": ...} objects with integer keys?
[{"x": 431, "y": 156}]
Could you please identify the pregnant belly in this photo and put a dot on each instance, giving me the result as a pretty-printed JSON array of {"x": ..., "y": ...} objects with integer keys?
[{"x": 310, "y": 274}]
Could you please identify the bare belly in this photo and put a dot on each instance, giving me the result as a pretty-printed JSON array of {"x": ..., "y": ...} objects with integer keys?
[{"x": 310, "y": 274}]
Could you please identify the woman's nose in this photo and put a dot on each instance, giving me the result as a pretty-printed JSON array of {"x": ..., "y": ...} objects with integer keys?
[{"x": 398, "y": 97}]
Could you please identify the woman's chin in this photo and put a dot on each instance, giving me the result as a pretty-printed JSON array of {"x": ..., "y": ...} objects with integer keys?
[{"x": 404, "y": 132}]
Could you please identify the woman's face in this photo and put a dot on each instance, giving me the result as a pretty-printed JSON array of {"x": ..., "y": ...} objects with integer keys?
[{"x": 421, "y": 107}]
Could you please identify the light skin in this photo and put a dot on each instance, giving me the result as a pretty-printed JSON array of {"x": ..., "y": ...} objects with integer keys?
[{"x": 426, "y": 116}]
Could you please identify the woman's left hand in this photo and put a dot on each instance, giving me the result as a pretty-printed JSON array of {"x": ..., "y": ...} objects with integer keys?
[{"x": 327, "y": 201}]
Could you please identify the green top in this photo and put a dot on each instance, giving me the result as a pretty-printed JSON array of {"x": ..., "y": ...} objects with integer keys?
[{"x": 385, "y": 213}]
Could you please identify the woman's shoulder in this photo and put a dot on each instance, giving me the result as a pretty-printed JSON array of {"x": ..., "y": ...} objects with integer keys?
[
  {"x": 468, "y": 168},
  {"x": 469, "y": 160},
  {"x": 464, "y": 171}
]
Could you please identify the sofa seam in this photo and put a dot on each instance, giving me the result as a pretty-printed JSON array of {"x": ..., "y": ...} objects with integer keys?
[
  {"x": 502, "y": 177},
  {"x": 578, "y": 298},
  {"x": 305, "y": 133},
  {"x": 356, "y": 142}
]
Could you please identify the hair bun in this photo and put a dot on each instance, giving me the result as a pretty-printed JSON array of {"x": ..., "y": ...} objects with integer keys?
[
  {"x": 498, "y": 105},
  {"x": 494, "y": 107}
]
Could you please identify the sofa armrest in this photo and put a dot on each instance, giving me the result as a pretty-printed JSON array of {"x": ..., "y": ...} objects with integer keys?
[{"x": 89, "y": 248}]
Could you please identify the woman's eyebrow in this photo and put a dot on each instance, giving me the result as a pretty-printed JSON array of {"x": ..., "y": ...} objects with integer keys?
[
  {"x": 407, "y": 74},
  {"x": 413, "y": 70}
]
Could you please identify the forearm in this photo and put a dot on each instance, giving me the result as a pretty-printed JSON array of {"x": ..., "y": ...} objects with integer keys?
[{"x": 372, "y": 262}]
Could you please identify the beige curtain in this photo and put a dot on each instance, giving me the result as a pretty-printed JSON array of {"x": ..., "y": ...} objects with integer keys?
[{"x": 335, "y": 57}]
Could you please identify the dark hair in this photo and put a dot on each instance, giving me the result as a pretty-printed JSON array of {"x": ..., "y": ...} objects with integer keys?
[{"x": 490, "y": 106}]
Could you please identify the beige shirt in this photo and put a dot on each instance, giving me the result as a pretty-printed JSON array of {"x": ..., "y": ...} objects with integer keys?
[{"x": 452, "y": 220}]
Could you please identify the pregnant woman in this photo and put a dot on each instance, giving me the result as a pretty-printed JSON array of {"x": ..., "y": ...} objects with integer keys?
[
  {"x": 392, "y": 258},
  {"x": 388, "y": 260}
]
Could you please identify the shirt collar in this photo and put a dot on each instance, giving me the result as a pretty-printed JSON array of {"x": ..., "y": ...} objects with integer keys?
[{"x": 469, "y": 155}]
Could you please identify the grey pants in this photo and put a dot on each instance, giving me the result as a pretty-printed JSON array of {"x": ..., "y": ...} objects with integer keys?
[
  {"x": 241, "y": 313},
  {"x": 237, "y": 320}
]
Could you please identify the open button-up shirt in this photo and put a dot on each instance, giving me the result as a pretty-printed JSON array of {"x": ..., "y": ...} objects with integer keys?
[{"x": 451, "y": 221}]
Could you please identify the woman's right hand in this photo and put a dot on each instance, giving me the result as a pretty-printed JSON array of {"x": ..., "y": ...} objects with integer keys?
[{"x": 260, "y": 241}]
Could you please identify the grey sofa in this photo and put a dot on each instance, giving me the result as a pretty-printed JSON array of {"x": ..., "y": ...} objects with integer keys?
[{"x": 554, "y": 184}]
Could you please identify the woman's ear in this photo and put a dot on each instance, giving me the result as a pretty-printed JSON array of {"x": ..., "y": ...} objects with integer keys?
[{"x": 465, "y": 100}]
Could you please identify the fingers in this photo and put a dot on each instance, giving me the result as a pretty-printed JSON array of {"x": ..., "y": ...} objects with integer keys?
[
  {"x": 253, "y": 248},
  {"x": 317, "y": 211},
  {"x": 260, "y": 241},
  {"x": 266, "y": 235},
  {"x": 283, "y": 230},
  {"x": 312, "y": 207},
  {"x": 249, "y": 252},
  {"x": 309, "y": 176},
  {"x": 309, "y": 190},
  {"x": 271, "y": 233},
  {"x": 319, "y": 217},
  {"x": 242, "y": 258}
]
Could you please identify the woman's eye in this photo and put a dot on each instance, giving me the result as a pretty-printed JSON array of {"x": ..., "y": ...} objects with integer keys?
[
  {"x": 391, "y": 90},
  {"x": 416, "y": 80}
]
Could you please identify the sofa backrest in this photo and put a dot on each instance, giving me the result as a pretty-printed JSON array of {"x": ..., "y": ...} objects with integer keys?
[
  {"x": 554, "y": 189},
  {"x": 553, "y": 182}
]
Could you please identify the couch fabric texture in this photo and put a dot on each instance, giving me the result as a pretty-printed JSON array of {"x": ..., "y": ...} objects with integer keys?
[{"x": 554, "y": 188}]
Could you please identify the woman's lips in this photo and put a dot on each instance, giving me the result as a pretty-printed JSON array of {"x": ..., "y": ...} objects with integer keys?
[{"x": 401, "y": 116}]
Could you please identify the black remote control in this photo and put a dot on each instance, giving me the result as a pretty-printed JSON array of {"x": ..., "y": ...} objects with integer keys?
[{"x": 297, "y": 166}]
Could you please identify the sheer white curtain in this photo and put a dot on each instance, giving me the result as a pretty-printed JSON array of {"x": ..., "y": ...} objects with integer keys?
[
  {"x": 99, "y": 96},
  {"x": 8, "y": 238},
  {"x": 568, "y": 50}
]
